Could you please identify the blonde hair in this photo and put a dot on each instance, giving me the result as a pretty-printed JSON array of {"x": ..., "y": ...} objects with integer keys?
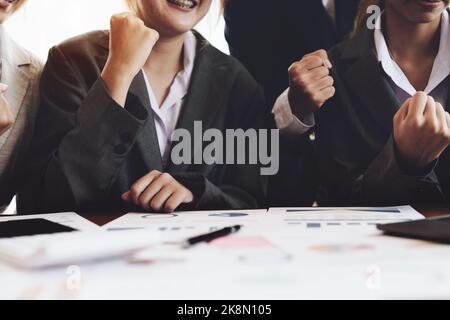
[{"x": 362, "y": 14}]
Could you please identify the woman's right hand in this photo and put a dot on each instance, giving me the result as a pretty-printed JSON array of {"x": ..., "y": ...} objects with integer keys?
[
  {"x": 421, "y": 131},
  {"x": 6, "y": 116},
  {"x": 158, "y": 192},
  {"x": 130, "y": 45},
  {"x": 310, "y": 83}
]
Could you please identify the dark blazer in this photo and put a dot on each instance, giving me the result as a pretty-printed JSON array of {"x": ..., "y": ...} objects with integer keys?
[
  {"x": 267, "y": 37},
  {"x": 88, "y": 150},
  {"x": 357, "y": 153}
]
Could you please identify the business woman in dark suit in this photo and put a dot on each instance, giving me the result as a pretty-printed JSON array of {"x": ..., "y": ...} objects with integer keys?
[
  {"x": 267, "y": 37},
  {"x": 111, "y": 102},
  {"x": 383, "y": 138}
]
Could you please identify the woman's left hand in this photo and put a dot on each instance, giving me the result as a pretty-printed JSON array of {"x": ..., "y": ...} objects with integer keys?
[{"x": 158, "y": 192}]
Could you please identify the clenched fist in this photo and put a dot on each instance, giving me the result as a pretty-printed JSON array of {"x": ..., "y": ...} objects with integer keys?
[
  {"x": 310, "y": 83},
  {"x": 421, "y": 131},
  {"x": 130, "y": 45},
  {"x": 6, "y": 117}
]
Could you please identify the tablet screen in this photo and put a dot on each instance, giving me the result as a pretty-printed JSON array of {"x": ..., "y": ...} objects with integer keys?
[
  {"x": 435, "y": 229},
  {"x": 30, "y": 227}
]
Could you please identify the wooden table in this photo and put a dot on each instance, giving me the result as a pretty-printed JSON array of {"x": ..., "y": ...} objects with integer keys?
[
  {"x": 103, "y": 218},
  {"x": 431, "y": 212}
]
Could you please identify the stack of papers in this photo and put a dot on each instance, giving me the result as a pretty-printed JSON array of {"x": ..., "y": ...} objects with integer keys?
[{"x": 283, "y": 253}]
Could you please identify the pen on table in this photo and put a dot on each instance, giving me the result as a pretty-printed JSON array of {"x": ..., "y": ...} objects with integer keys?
[{"x": 211, "y": 236}]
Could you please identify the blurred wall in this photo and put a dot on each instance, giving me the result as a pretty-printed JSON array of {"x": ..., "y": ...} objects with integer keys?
[{"x": 41, "y": 24}]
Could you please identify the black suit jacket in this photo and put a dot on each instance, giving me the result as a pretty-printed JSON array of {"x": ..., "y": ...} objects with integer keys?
[
  {"x": 88, "y": 150},
  {"x": 356, "y": 149},
  {"x": 267, "y": 37}
]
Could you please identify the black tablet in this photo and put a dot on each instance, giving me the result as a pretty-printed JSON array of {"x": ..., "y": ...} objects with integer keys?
[
  {"x": 30, "y": 227},
  {"x": 434, "y": 229}
]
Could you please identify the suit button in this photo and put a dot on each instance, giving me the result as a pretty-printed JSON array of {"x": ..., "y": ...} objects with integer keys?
[
  {"x": 312, "y": 137},
  {"x": 125, "y": 137},
  {"x": 120, "y": 149}
]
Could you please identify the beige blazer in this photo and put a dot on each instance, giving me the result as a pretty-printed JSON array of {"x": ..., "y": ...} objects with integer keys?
[{"x": 21, "y": 72}]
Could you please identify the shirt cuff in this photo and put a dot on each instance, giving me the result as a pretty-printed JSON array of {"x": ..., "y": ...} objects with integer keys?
[{"x": 287, "y": 121}]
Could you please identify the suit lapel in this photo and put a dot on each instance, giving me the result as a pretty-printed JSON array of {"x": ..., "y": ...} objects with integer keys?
[
  {"x": 203, "y": 99},
  {"x": 365, "y": 80},
  {"x": 16, "y": 74},
  {"x": 147, "y": 140}
]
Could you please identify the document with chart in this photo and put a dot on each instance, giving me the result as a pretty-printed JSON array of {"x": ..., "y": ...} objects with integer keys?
[
  {"x": 185, "y": 224},
  {"x": 314, "y": 218},
  {"x": 285, "y": 220}
]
